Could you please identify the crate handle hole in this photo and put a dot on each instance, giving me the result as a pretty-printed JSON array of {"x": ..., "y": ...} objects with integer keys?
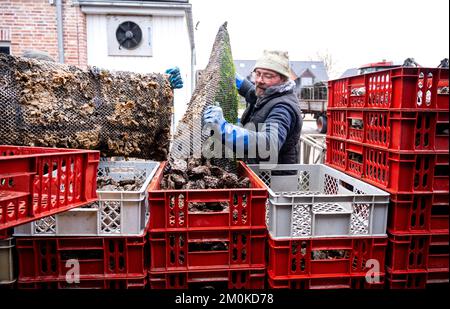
[
  {"x": 181, "y": 257},
  {"x": 112, "y": 263},
  {"x": 244, "y": 254},
  {"x": 413, "y": 220},
  {"x": 172, "y": 257},
  {"x": 121, "y": 263}
]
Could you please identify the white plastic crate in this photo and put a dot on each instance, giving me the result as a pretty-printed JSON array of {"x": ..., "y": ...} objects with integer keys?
[
  {"x": 7, "y": 275},
  {"x": 117, "y": 213},
  {"x": 319, "y": 201}
]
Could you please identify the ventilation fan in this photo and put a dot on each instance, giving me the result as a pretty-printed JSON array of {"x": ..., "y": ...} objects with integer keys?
[{"x": 129, "y": 35}]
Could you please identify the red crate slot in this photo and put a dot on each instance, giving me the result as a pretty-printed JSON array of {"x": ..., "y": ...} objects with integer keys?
[
  {"x": 357, "y": 91},
  {"x": 442, "y": 90},
  {"x": 43, "y": 259},
  {"x": 418, "y": 252},
  {"x": 442, "y": 131},
  {"x": 305, "y": 258},
  {"x": 400, "y": 88},
  {"x": 95, "y": 282},
  {"x": 170, "y": 208},
  {"x": 36, "y": 182},
  {"x": 336, "y": 154},
  {"x": 355, "y": 157},
  {"x": 322, "y": 283},
  {"x": 337, "y": 123},
  {"x": 207, "y": 279},
  {"x": 338, "y": 95},
  {"x": 182, "y": 251},
  {"x": 355, "y": 125},
  {"x": 419, "y": 213}
]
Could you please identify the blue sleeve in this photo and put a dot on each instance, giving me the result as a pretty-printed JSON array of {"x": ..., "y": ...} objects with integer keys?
[
  {"x": 247, "y": 90},
  {"x": 281, "y": 116}
]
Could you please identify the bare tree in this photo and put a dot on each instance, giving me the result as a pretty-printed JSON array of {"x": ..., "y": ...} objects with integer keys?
[{"x": 328, "y": 61}]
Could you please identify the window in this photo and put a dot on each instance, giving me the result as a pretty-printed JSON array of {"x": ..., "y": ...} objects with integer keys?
[
  {"x": 306, "y": 81},
  {"x": 5, "y": 48}
]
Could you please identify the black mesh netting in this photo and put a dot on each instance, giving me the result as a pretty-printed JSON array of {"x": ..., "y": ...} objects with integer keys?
[
  {"x": 55, "y": 105},
  {"x": 216, "y": 85}
]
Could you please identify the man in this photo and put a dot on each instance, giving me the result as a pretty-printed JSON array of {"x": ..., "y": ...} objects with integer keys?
[{"x": 273, "y": 112}]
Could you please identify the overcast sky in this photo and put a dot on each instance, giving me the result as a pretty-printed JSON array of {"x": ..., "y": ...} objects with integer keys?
[{"x": 353, "y": 32}]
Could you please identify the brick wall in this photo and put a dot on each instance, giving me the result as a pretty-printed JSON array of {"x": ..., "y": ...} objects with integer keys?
[{"x": 31, "y": 24}]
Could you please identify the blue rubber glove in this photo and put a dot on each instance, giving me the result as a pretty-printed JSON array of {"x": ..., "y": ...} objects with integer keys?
[
  {"x": 239, "y": 80},
  {"x": 213, "y": 115},
  {"x": 175, "y": 79},
  {"x": 232, "y": 135}
]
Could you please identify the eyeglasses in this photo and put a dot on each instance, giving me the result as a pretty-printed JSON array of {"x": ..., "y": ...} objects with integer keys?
[{"x": 264, "y": 75}]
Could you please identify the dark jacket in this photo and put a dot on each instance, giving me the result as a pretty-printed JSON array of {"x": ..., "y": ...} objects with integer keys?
[{"x": 279, "y": 105}]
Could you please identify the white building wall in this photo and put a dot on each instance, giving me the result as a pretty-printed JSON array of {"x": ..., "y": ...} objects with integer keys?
[{"x": 170, "y": 48}]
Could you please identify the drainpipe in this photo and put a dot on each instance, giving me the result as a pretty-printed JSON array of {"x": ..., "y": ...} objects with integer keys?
[
  {"x": 191, "y": 40},
  {"x": 59, "y": 26}
]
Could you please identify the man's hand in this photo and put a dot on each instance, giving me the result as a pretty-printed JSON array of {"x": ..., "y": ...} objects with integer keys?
[
  {"x": 175, "y": 79},
  {"x": 213, "y": 115}
]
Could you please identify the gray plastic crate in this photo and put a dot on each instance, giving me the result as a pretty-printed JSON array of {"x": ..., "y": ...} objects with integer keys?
[
  {"x": 117, "y": 213},
  {"x": 319, "y": 201},
  {"x": 7, "y": 275}
]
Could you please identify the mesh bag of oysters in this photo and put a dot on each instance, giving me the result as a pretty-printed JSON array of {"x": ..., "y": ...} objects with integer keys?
[
  {"x": 187, "y": 167},
  {"x": 43, "y": 103}
]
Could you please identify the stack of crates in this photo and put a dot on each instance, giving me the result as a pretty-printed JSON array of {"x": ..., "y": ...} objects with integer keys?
[
  {"x": 36, "y": 182},
  {"x": 200, "y": 249},
  {"x": 101, "y": 244},
  {"x": 327, "y": 230},
  {"x": 391, "y": 129}
]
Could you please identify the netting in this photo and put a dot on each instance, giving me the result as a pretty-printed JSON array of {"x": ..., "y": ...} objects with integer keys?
[
  {"x": 216, "y": 85},
  {"x": 48, "y": 104}
]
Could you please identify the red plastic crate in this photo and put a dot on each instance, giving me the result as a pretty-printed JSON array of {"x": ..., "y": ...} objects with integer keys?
[
  {"x": 393, "y": 130},
  {"x": 418, "y": 253},
  {"x": 44, "y": 259},
  {"x": 322, "y": 283},
  {"x": 406, "y": 130},
  {"x": 407, "y": 280},
  {"x": 419, "y": 213},
  {"x": 169, "y": 208},
  {"x": 207, "y": 250},
  {"x": 307, "y": 258},
  {"x": 436, "y": 278},
  {"x": 95, "y": 282},
  {"x": 405, "y": 88},
  {"x": 395, "y": 172},
  {"x": 416, "y": 279},
  {"x": 218, "y": 279},
  {"x": 36, "y": 182},
  {"x": 6, "y": 233}
]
